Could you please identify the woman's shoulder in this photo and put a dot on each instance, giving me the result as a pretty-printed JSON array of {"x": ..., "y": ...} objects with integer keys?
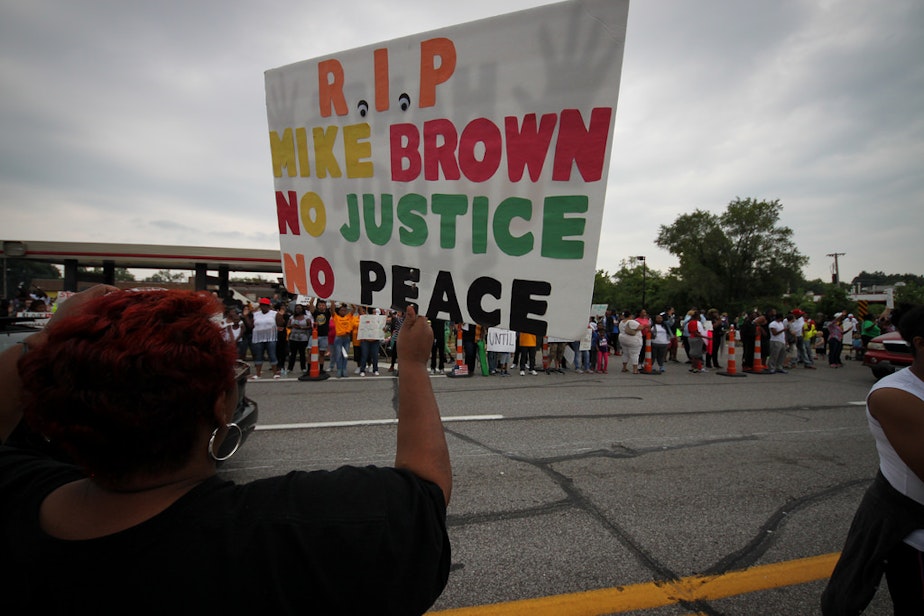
[{"x": 27, "y": 470}]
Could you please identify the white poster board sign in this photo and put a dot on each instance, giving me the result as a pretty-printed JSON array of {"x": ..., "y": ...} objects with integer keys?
[
  {"x": 462, "y": 169},
  {"x": 371, "y": 327},
  {"x": 587, "y": 339},
  {"x": 501, "y": 340}
]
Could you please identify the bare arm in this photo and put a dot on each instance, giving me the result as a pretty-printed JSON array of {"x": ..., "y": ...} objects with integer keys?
[
  {"x": 11, "y": 402},
  {"x": 901, "y": 416},
  {"x": 421, "y": 442},
  {"x": 10, "y": 385}
]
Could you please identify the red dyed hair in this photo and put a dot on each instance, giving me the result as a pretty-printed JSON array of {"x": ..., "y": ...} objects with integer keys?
[{"x": 125, "y": 386}]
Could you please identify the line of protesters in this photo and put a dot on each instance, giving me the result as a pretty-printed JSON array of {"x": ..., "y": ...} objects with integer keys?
[
  {"x": 796, "y": 338},
  {"x": 278, "y": 331}
]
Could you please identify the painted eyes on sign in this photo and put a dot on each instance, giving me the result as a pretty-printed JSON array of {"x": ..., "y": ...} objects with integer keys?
[{"x": 404, "y": 101}]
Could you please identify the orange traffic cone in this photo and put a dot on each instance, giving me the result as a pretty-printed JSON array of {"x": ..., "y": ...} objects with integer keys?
[
  {"x": 730, "y": 366},
  {"x": 647, "y": 366},
  {"x": 314, "y": 372},
  {"x": 758, "y": 365},
  {"x": 461, "y": 368}
]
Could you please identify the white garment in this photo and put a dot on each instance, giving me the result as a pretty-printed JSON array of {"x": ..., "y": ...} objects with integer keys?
[
  {"x": 660, "y": 334},
  {"x": 629, "y": 327},
  {"x": 893, "y": 468},
  {"x": 778, "y": 331},
  {"x": 631, "y": 343},
  {"x": 849, "y": 326},
  {"x": 230, "y": 333},
  {"x": 264, "y": 326}
]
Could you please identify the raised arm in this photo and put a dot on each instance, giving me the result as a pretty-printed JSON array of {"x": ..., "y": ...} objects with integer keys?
[{"x": 421, "y": 445}]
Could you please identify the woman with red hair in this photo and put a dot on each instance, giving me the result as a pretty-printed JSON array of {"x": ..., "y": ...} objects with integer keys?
[{"x": 116, "y": 506}]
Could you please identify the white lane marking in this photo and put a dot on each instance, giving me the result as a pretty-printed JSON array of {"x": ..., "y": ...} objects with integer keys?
[
  {"x": 857, "y": 402},
  {"x": 366, "y": 422}
]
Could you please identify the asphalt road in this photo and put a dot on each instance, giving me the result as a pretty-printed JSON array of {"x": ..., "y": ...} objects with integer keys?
[{"x": 663, "y": 494}]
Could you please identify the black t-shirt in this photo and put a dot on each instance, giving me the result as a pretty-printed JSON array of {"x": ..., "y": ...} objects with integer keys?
[
  {"x": 351, "y": 541},
  {"x": 748, "y": 329},
  {"x": 322, "y": 320}
]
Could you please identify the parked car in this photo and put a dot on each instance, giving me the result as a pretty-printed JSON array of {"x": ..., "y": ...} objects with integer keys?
[
  {"x": 16, "y": 329},
  {"x": 887, "y": 353},
  {"x": 246, "y": 413}
]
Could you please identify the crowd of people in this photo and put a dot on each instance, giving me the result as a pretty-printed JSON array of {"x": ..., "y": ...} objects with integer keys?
[
  {"x": 34, "y": 301},
  {"x": 278, "y": 332},
  {"x": 795, "y": 338}
]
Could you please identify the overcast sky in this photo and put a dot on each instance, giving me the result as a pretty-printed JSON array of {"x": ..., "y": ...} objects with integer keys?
[{"x": 145, "y": 122}]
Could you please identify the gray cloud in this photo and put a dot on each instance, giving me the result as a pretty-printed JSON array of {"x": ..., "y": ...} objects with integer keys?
[{"x": 145, "y": 122}]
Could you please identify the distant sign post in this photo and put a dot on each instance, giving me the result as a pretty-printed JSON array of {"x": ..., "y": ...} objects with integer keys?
[{"x": 462, "y": 169}]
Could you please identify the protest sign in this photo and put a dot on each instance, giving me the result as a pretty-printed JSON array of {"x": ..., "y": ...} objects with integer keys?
[
  {"x": 371, "y": 327},
  {"x": 462, "y": 169},
  {"x": 501, "y": 340},
  {"x": 587, "y": 339},
  {"x": 598, "y": 310}
]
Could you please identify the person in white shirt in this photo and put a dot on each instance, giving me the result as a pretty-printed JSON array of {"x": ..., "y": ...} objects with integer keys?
[
  {"x": 849, "y": 326},
  {"x": 797, "y": 329},
  {"x": 660, "y": 341},
  {"x": 886, "y": 536},
  {"x": 777, "y": 355},
  {"x": 264, "y": 338}
]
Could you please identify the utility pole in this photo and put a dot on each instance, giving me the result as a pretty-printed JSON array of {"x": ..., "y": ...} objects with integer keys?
[{"x": 836, "y": 276}]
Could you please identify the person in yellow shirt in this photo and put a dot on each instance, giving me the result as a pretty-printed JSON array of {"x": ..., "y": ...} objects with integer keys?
[
  {"x": 809, "y": 331},
  {"x": 527, "y": 353},
  {"x": 342, "y": 322}
]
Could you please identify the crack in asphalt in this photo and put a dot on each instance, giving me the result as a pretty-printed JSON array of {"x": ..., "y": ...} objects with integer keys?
[
  {"x": 763, "y": 539},
  {"x": 742, "y": 558}
]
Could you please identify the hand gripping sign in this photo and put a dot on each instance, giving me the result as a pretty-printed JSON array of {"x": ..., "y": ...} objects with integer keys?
[{"x": 463, "y": 169}]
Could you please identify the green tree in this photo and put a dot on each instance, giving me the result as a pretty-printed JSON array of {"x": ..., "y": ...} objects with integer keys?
[
  {"x": 604, "y": 288},
  {"x": 740, "y": 257},
  {"x": 834, "y": 299},
  {"x": 909, "y": 293},
  {"x": 121, "y": 274},
  {"x": 866, "y": 279},
  {"x": 20, "y": 273},
  {"x": 629, "y": 286},
  {"x": 166, "y": 276}
]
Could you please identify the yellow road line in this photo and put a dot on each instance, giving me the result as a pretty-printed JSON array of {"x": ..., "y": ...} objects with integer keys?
[{"x": 658, "y": 594}]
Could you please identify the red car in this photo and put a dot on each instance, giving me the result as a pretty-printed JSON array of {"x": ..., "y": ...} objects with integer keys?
[{"x": 887, "y": 353}]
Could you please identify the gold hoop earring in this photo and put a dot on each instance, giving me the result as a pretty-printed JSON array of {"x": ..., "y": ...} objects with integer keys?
[{"x": 240, "y": 439}]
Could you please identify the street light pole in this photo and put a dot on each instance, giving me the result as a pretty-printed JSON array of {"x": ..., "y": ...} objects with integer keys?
[{"x": 644, "y": 281}]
